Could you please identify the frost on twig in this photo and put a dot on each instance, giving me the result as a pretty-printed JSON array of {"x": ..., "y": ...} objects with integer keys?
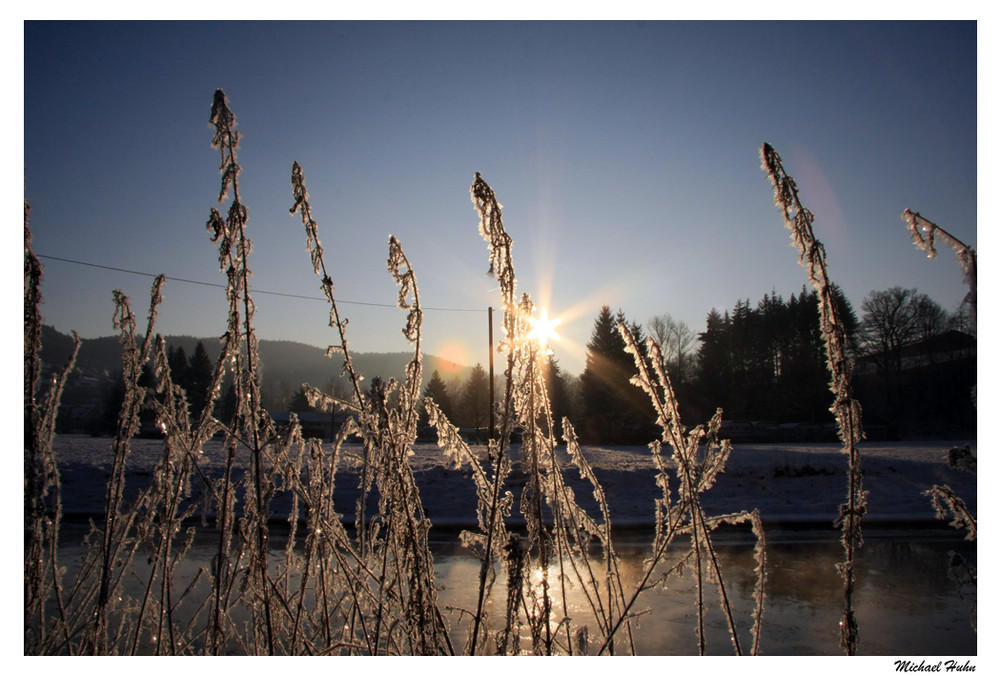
[
  {"x": 924, "y": 232},
  {"x": 698, "y": 458},
  {"x": 846, "y": 409}
]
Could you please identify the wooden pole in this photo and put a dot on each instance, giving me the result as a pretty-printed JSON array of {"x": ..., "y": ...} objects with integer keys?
[{"x": 492, "y": 390}]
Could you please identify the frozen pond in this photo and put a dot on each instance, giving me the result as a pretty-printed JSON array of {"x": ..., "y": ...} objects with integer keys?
[{"x": 904, "y": 601}]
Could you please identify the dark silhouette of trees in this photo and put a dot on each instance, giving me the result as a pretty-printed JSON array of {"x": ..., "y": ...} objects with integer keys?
[
  {"x": 614, "y": 410},
  {"x": 193, "y": 375},
  {"x": 767, "y": 362},
  {"x": 894, "y": 320},
  {"x": 300, "y": 402},
  {"x": 438, "y": 391},
  {"x": 559, "y": 395},
  {"x": 715, "y": 367},
  {"x": 178, "y": 362},
  {"x": 474, "y": 405},
  {"x": 199, "y": 376}
]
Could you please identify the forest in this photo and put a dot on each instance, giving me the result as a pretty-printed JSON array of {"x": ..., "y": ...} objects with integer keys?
[{"x": 914, "y": 369}]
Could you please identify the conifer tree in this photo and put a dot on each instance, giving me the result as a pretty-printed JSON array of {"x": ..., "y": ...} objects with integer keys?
[
  {"x": 473, "y": 408},
  {"x": 199, "y": 377},
  {"x": 438, "y": 391},
  {"x": 178, "y": 362},
  {"x": 715, "y": 367},
  {"x": 559, "y": 397},
  {"x": 768, "y": 362},
  {"x": 614, "y": 410}
]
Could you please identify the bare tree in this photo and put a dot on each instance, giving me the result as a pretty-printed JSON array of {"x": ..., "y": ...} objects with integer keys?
[
  {"x": 898, "y": 317},
  {"x": 674, "y": 338},
  {"x": 894, "y": 319}
]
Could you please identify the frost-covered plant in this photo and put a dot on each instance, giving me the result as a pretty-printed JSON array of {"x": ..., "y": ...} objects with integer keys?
[
  {"x": 42, "y": 502},
  {"x": 846, "y": 410},
  {"x": 946, "y": 502},
  {"x": 251, "y": 424},
  {"x": 370, "y": 590},
  {"x": 392, "y": 546},
  {"x": 943, "y": 498},
  {"x": 924, "y": 232},
  {"x": 558, "y": 533},
  {"x": 698, "y": 458}
]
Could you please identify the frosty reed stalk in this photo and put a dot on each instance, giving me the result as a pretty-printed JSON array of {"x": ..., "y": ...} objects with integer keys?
[
  {"x": 336, "y": 591},
  {"x": 923, "y": 233},
  {"x": 846, "y": 410},
  {"x": 560, "y": 532},
  {"x": 42, "y": 499},
  {"x": 234, "y": 251},
  {"x": 394, "y": 546},
  {"x": 698, "y": 458}
]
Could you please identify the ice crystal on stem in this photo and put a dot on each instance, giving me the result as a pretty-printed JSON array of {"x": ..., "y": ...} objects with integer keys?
[
  {"x": 698, "y": 458},
  {"x": 923, "y": 232},
  {"x": 846, "y": 410}
]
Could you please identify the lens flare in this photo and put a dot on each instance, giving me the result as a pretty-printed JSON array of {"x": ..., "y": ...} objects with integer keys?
[{"x": 543, "y": 329}]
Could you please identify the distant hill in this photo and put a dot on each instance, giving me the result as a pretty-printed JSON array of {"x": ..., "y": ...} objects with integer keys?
[{"x": 281, "y": 360}]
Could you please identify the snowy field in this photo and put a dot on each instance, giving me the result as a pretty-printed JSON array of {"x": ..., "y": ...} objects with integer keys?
[{"x": 789, "y": 483}]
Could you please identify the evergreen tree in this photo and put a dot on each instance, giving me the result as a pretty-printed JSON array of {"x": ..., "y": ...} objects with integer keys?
[
  {"x": 802, "y": 393},
  {"x": 473, "y": 408},
  {"x": 178, "y": 362},
  {"x": 438, "y": 391},
  {"x": 300, "y": 403},
  {"x": 769, "y": 362},
  {"x": 559, "y": 397},
  {"x": 199, "y": 377},
  {"x": 614, "y": 410},
  {"x": 715, "y": 367}
]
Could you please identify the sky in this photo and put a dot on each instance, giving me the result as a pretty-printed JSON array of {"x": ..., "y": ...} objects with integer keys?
[{"x": 625, "y": 155}]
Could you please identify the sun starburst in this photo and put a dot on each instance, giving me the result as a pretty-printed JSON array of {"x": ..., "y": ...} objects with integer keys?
[{"x": 543, "y": 329}]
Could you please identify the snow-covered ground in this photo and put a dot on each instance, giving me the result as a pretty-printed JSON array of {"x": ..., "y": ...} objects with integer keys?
[{"x": 789, "y": 483}]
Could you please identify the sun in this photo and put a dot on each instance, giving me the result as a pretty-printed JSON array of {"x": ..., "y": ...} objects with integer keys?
[{"x": 543, "y": 329}]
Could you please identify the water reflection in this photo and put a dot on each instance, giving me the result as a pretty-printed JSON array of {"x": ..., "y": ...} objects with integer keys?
[{"x": 904, "y": 601}]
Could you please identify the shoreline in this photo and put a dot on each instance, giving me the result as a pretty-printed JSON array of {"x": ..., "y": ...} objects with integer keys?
[{"x": 795, "y": 486}]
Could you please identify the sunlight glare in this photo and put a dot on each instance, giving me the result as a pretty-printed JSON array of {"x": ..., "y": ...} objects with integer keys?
[{"x": 543, "y": 329}]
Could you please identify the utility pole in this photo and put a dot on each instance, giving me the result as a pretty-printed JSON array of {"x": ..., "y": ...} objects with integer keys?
[{"x": 492, "y": 424}]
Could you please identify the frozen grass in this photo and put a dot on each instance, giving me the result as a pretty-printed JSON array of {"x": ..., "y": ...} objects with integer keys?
[
  {"x": 944, "y": 499},
  {"x": 362, "y": 582},
  {"x": 846, "y": 410}
]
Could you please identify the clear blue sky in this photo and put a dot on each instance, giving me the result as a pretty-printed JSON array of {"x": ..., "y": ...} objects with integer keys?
[{"x": 625, "y": 155}]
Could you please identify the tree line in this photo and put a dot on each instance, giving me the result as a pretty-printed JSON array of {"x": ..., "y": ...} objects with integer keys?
[
  {"x": 914, "y": 366},
  {"x": 762, "y": 361}
]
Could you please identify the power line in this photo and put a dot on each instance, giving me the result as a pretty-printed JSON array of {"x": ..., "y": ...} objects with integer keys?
[{"x": 254, "y": 290}]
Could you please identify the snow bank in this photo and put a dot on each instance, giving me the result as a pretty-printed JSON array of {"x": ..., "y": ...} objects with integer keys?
[{"x": 789, "y": 483}]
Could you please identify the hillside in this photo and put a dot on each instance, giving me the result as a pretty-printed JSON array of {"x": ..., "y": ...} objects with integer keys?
[{"x": 283, "y": 361}]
